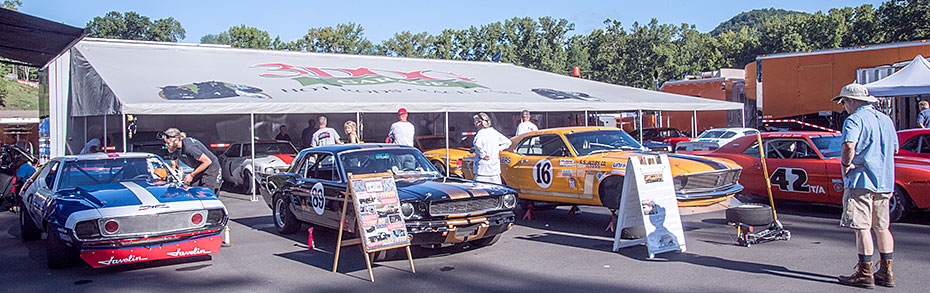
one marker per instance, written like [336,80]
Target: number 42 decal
[792,179]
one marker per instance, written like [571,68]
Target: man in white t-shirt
[324,136]
[526,125]
[401,131]
[488,143]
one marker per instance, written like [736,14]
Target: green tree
[346,38]
[905,20]
[406,44]
[133,26]
[864,27]
[11,4]
[218,39]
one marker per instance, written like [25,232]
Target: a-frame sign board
[379,223]
[648,200]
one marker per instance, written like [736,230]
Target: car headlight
[680,182]
[270,170]
[509,200]
[407,210]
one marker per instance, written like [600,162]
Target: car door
[38,200]
[544,169]
[228,159]
[796,170]
[318,198]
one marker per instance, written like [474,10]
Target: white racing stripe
[144,195]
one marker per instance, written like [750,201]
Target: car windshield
[114,170]
[269,148]
[402,162]
[717,134]
[159,150]
[591,142]
[829,146]
[439,142]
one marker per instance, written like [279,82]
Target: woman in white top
[488,143]
[526,125]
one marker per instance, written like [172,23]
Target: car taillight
[215,217]
[111,226]
[197,219]
[459,162]
[86,230]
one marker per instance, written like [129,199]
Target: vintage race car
[113,209]
[662,139]
[714,139]
[437,210]
[271,157]
[434,148]
[586,165]
[914,143]
[805,166]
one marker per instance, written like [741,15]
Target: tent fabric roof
[169,79]
[34,41]
[913,79]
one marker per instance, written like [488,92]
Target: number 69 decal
[791,179]
[542,173]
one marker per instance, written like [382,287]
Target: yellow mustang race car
[586,165]
[434,148]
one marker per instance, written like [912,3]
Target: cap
[857,92]
[402,111]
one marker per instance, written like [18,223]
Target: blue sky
[381,19]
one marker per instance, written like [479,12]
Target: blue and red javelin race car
[113,209]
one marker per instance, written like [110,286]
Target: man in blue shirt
[923,118]
[869,146]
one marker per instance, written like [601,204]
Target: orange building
[725,85]
[800,85]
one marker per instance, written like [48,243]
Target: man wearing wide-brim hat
[869,146]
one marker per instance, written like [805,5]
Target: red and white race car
[805,166]
[914,142]
[271,157]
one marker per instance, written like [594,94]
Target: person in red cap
[401,131]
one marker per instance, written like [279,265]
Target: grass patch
[18,96]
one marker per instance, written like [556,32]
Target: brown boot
[861,278]
[884,276]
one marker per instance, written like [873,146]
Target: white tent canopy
[128,77]
[913,79]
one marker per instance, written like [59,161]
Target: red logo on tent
[307,76]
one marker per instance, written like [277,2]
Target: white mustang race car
[271,157]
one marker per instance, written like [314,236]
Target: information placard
[378,209]
[648,200]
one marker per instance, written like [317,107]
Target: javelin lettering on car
[116,261]
[195,251]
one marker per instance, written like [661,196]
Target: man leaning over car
[195,154]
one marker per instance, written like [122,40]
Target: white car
[714,139]
[271,157]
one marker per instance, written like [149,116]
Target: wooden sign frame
[350,199]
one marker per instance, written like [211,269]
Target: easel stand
[648,201]
[349,199]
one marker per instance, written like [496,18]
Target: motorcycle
[16,166]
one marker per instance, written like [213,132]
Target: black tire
[385,255]
[284,220]
[610,190]
[441,167]
[246,186]
[57,254]
[899,205]
[27,228]
[752,214]
[487,241]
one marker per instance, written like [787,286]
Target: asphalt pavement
[554,252]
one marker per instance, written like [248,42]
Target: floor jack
[775,231]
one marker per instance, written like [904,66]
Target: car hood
[281,160]
[136,193]
[454,153]
[447,188]
[681,164]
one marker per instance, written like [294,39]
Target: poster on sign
[648,201]
[378,210]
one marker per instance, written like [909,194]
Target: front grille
[155,223]
[464,206]
[706,181]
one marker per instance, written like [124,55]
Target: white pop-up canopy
[913,79]
[119,77]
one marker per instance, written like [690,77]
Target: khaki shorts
[864,209]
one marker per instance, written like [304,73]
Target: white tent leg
[640,127]
[448,169]
[104,147]
[254,172]
[586,118]
[124,132]
[742,116]
[694,123]
[358,121]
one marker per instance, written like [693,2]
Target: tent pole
[585,118]
[85,129]
[640,114]
[104,147]
[254,172]
[742,116]
[448,169]
[124,132]
[358,120]
[694,123]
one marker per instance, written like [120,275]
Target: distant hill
[752,18]
[17,96]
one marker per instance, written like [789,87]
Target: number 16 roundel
[542,173]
